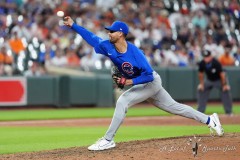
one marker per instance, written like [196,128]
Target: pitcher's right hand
[68,21]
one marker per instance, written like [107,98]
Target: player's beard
[113,40]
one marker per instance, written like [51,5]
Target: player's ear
[121,34]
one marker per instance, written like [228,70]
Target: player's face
[113,36]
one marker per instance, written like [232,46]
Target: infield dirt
[210,148]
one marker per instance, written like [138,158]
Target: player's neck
[121,46]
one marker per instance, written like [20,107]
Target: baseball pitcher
[145,83]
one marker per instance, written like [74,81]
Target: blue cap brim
[109,28]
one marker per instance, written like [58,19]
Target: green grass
[27,139]
[71,113]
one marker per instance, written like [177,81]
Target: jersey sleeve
[146,70]
[101,48]
[144,78]
[88,36]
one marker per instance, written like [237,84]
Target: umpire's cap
[118,26]
[206,53]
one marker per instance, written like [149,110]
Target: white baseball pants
[155,94]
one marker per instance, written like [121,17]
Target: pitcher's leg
[164,101]
[118,117]
[134,95]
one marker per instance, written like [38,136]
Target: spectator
[22,30]
[229,23]
[163,19]
[194,52]
[220,49]
[59,60]
[220,34]
[215,78]
[226,59]
[4,57]
[158,23]
[149,55]
[169,58]
[197,5]
[6,62]
[33,70]
[2,72]
[182,57]
[140,33]
[88,62]
[167,41]
[105,4]
[73,59]
[200,20]
[237,57]
[16,45]
[211,46]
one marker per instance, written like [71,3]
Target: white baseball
[60,13]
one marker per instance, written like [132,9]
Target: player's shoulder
[132,45]
[134,48]
[105,43]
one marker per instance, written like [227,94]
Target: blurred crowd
[170,32]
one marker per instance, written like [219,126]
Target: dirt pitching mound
[209,148]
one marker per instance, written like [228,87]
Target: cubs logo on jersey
[127,68]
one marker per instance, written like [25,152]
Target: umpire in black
[215,77]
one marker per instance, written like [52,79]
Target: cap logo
[118,26]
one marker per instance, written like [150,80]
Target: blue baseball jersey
[132,64]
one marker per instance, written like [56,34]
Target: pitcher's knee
[121,105]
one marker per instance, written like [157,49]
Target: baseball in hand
[68,21]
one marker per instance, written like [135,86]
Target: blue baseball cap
[118,26]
